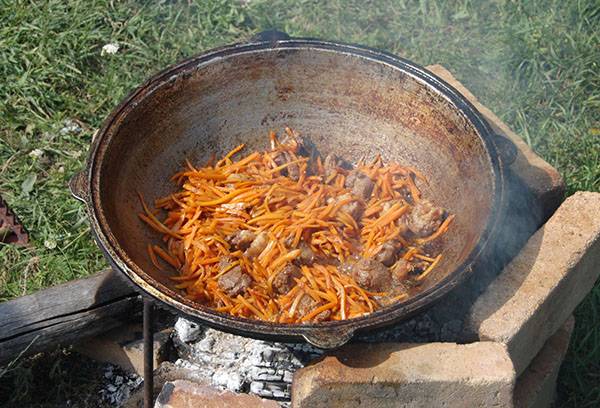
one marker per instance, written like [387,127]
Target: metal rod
[148,355]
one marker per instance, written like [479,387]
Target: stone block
[535,294]
[536,387]
[186,394]
[124,346]
[408,375]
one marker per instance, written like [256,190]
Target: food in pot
[289,237]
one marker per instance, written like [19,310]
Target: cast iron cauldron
[347,99]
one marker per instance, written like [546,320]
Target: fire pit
[498,340]
[474,342]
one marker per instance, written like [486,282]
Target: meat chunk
[370,274]
[242,239]
[400,270]
[425,218]
[295,144]
[330,164]
[360,184]
[307,304]
[293,139]
[307,256]
[387,254]
[258,245]
[284,280]
[293,170]
[234,281]
[354,208]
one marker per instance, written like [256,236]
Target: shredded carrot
[318,311]
[443,228]
[153,256]
[173,261]
[301,206]
[429,268]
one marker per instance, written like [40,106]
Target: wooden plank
[65,314]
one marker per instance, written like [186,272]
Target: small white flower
[50,243]
[110,49]
[36,153]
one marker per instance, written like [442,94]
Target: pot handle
[506,149]
[78,186]
[326,338]
[270,36]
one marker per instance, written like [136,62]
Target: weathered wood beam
[65,314]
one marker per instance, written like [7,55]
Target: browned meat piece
[425,218]
[330,164]
[370,274]
[400,270]
[385,207]
[307,256]
[350,179]
[242,239]
[292,138]
[292,171]
[362,185]
[387,254]
[307,304]
[234,281]
[258,245]
[354,208]
[284,280]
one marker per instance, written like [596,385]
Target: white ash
[187,331]
[264,368]
[240,364]
[118,386]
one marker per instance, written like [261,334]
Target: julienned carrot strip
[295,303]
[153,256]
[283,166]
[158,226]
[318,311]
[174,262]
[443,228]
[250,306]
[285,258]
[429,268]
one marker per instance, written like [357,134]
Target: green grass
[535,63]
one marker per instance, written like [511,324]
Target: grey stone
[540,288]
[408,375]
[186,394]
[536,387]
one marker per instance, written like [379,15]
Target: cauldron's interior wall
[348,105]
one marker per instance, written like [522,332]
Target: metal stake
[148,355]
